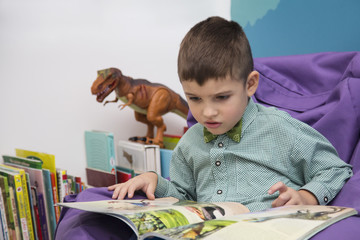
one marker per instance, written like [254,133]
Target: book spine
[66,186]
[23,162]
[49,203]
[157,160]
[36,212]
[3,216]
[111,154]
[42,216]
[60,182]
[55,198]
[8,211]
[29,215]
[14,213]
[21,207]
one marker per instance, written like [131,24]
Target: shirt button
[326,199]
[220,144]
[217,163]
[219,191]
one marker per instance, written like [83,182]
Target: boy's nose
[209,111]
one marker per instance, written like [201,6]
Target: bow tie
[234,133]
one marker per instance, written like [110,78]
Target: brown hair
[215,48]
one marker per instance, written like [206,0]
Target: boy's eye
[194,99]
[222,97]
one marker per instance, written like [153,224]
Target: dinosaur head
[105,83]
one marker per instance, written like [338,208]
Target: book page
[152,215]
[293,222]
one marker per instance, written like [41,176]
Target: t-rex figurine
[149,100]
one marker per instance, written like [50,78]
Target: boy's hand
[146,182]
[289,196]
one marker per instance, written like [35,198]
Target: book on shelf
[7,206]
[139,157]
[25,192]
[62,183]
[165,157]
[41,188]
[4,234]
[17,180]
[36,219]
[124,174]
[100,150]
[170,141]
[99,178]
[169,218]
[15,213]
[48,162]
[49,202]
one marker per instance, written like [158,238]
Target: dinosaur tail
[181,107]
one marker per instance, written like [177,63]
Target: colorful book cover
[78,184]
[16,183]
[55,199]
[15,212]
[48,160]
[25,196]
[137,156]
[49,203]
[99,178]
[31,206]
[35,204]
[127,170]
[71,183]
[8,209]
[43,218]
[165,156]
[122,176]
[20,161]
[36,180]
[4,221]
[100,152]
[170,141]
[62,183]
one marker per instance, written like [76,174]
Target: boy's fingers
[123,192]
[282,200]
[150,192]
[116,192]
[131,190]
[279,186]
[112,187]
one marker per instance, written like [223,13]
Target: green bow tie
[234,133]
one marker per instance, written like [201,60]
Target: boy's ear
[252,83]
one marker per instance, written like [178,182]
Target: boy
[239,151]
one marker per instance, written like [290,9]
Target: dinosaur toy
[149,100]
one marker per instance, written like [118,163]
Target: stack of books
[30,187]
[108,165]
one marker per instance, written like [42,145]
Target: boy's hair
[215,48]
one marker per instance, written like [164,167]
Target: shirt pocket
[254,180]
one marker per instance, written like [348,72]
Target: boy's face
[219,103]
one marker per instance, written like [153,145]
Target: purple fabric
[319,89]
[80,225]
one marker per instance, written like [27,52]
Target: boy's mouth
[212,124]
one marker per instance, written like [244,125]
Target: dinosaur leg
[150,129]
[158,106]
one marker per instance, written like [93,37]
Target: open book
[169,218]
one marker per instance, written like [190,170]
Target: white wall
[50,52]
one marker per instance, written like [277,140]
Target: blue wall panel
[288,27]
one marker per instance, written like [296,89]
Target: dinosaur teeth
[103,93]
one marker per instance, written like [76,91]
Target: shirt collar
[234,133]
